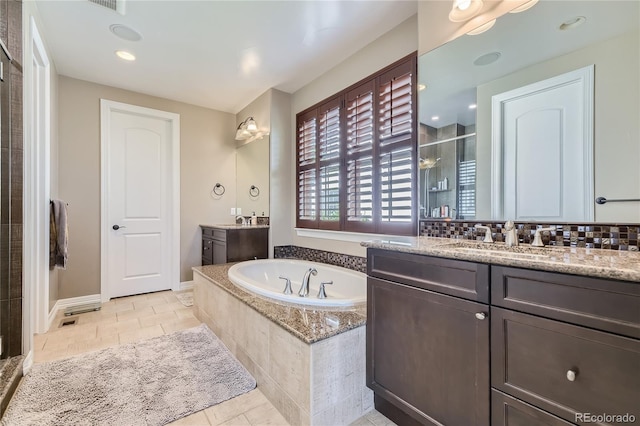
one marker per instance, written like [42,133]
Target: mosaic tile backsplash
[593,235]
[355,263]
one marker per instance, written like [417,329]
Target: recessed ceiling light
[487,59]
[528,5]
[483,28]
[572,23]
[473,106]
[435,118]
[127,56]
[421,87]
[125,32]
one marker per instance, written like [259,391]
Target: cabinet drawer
[532,359]
[509,411]
[597,303]
[216,234]
[453,277]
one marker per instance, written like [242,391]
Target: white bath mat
[185,297]
[152,382]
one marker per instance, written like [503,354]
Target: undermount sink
[523,251]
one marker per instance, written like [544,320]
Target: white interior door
[544,145]
[138,209]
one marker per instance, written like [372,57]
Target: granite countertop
[309,324]
[234,226]
[598,263]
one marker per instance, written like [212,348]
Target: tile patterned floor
[134,318]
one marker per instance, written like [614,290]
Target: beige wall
[207,156]
[383,51]
[282,186]
[617,124]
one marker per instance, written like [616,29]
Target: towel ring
[254,191]
[218,189]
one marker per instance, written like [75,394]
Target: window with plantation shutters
[397,149]
[357,154]
[359,158]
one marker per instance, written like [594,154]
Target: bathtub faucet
[304,289]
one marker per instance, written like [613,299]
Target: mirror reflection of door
[543,150]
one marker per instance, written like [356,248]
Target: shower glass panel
[447,171]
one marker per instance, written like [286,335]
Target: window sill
[353,237]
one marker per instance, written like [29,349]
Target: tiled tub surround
[355,263]
[313,373]
[597,263]
[590,235]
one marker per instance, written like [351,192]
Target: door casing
[106,108]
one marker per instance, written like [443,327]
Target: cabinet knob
[571,375]
[481,315]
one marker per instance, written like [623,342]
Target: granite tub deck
[597,263]
[312,372]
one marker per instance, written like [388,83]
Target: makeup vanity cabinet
[224,245]
[558,345]
[428,338]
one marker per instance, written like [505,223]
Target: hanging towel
[59,235]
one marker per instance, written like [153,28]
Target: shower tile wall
[11,180]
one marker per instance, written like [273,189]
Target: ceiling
[523,39]
[217,54]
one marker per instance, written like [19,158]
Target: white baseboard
[186,285]
[27,363]
[63,304]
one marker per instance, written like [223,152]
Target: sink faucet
[511,237]
[537,237]
[487,233]
[244,221]
[304,288]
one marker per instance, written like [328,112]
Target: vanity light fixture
[421,87]
[248,131]
[473,106]
[482,28]
[463,10]
[127,56]
[528,5]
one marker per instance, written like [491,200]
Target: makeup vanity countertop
[234,226]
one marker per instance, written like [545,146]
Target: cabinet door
[207,251]
[428,354]
[219,252]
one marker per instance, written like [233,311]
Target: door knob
[116,227]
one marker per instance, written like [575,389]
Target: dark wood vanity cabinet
[565,344]
[557,345]
[234,245]
[427,352]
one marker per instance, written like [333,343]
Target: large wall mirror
[252,177]
[535,118]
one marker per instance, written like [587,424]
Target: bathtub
[261,277]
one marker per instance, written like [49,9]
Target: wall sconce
[248,131]
[463,10]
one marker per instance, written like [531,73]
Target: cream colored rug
[152,382]
[185,297]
